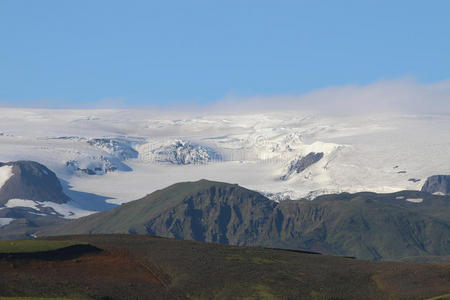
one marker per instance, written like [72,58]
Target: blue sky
[77,53]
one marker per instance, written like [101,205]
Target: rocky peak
[32,181]
[437,184]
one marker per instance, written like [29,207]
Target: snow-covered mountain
[96,165]
[29,180]
[29,190]
[121,148]
[178,152]
[437,184]
[106,155]
[286,155]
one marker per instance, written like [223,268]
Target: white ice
[5,174]
[5,221]
[376,153]
[415,200]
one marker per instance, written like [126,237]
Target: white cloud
[401,95]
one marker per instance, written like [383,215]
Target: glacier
[126,154]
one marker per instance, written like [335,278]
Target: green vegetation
[365,225]
[28,246]
[443,297]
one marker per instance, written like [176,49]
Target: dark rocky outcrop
[31,181]
[301,164]
[65,253]
[414,180]
[437,184]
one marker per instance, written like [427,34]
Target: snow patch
[22,203]
[5,221]
[414,200]
[38,214]
[5,174]
[66,210]
[280,196]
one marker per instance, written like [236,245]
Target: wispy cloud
[401,95]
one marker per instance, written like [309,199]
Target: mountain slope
[32,181]
[366,225]
[437,184]
[32,198]
[203,210]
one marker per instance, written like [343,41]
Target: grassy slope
[133,217]
[133,266]
[369,225]
[366,225]
[28,246]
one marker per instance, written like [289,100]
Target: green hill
[365,225]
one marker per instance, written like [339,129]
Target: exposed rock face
[366,225]
[301,164]
[181,152]
[214,212]
[32,181]
[120,149]
[437,184]
[97,165]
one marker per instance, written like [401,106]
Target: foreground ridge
[143,267]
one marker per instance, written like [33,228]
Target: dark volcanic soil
[75,272]
[146,267]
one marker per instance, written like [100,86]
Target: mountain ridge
[365,225]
